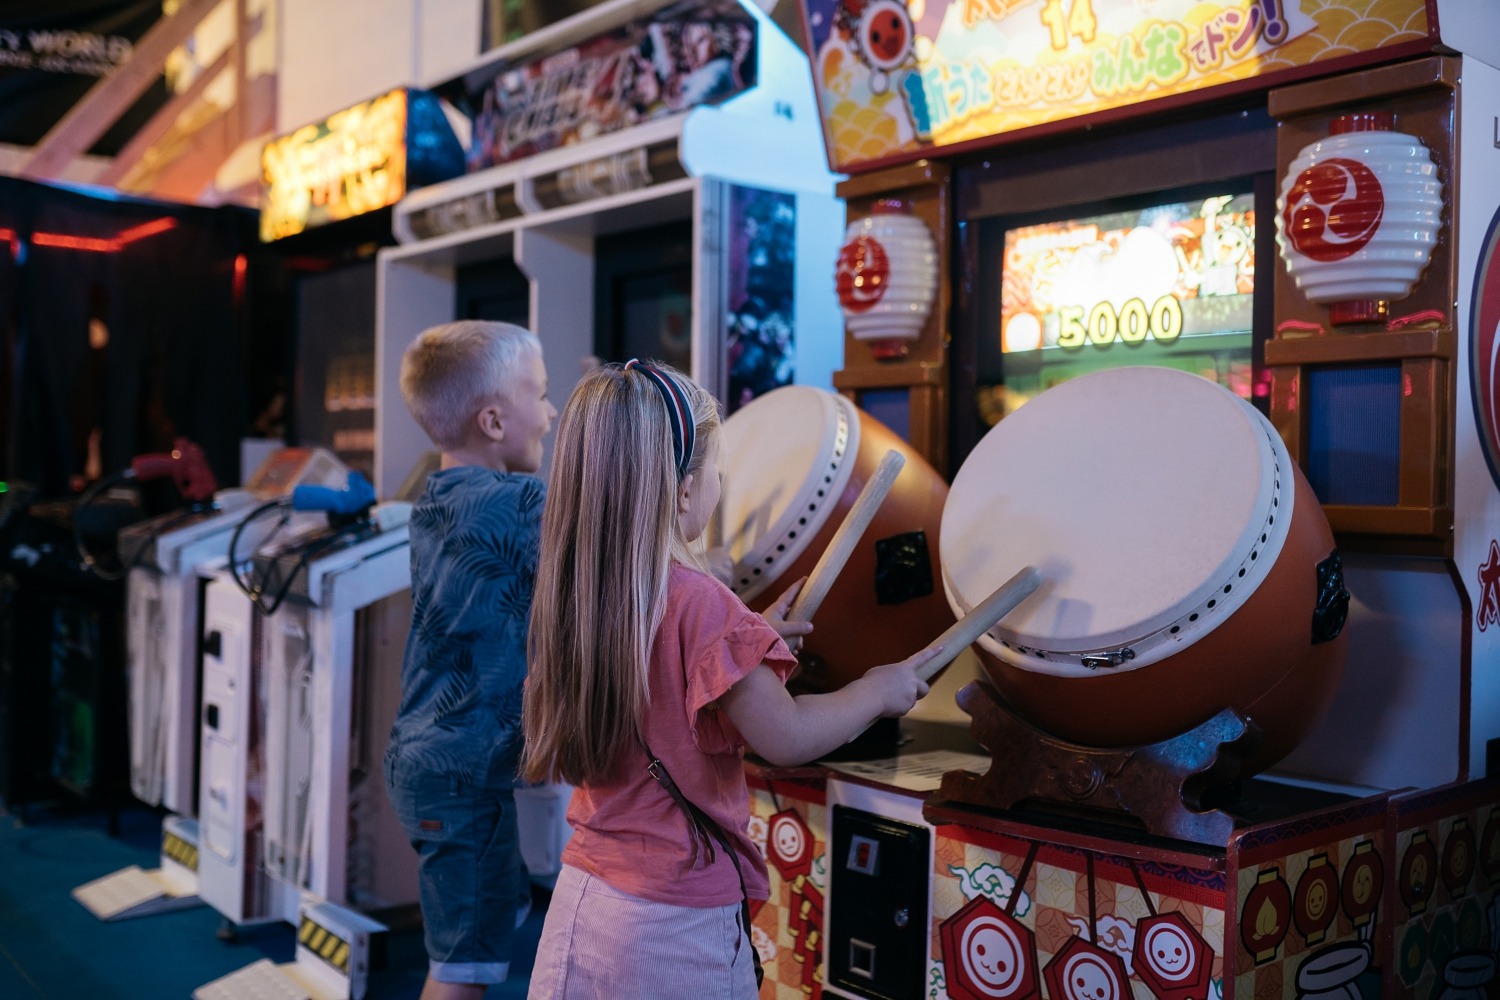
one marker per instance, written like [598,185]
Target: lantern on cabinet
[886,278]
[1316,900]
[1358,216]
[1265,916]
[1364,876]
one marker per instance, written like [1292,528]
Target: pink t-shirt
[628,831]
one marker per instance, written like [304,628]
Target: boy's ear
[491,422]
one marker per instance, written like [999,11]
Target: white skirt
[602,944]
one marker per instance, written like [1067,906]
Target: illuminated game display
[1170,284]
[1094,212]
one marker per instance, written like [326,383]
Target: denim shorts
[473,884]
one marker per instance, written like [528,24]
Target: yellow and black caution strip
[324,943]
[181,851]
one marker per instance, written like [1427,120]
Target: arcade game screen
[1165,281]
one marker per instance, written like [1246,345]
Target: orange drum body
[795,462]
[1187,565]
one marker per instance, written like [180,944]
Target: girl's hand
[791,730]
[898,686]
[775,617]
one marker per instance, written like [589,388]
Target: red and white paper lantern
[887,278]
[1358,216]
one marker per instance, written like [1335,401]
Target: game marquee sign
[898,78]
[363,158]
[686,54]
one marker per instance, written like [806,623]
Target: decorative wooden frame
[926,186]
[1423,339]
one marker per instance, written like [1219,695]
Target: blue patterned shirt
[474,535]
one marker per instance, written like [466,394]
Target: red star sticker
[1489,589]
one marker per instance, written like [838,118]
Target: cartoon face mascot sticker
[1172,957]
[881,33]
[1082,971]
[789,844]
[988,954]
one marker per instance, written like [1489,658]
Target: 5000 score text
[1132,323]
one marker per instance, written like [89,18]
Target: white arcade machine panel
[164,600]
[230,877]
[330,666]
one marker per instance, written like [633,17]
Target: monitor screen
[1166,281]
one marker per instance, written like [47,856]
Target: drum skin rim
[1211,601]
[1262,660]
[853,630]
[775,550]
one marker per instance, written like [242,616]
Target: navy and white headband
[679,412]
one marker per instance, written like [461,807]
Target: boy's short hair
[451,371]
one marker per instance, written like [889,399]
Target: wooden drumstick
[820,580]
[981,619]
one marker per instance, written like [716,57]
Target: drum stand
[1181,788]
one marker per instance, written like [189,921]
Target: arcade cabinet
[1295,203]
[302,657]
[65,651]
[650,173]
[168,560]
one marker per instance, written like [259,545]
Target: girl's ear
[684,494]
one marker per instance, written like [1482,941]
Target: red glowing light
[241,266]
[146,229]
[102,245]
[74,242]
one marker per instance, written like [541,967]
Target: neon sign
[349,164]
[897,78]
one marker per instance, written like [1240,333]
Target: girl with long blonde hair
[647,680]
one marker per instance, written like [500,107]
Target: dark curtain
[121,339]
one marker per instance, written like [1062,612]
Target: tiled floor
[51,948]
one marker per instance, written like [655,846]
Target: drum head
[789,455]
[1153,501]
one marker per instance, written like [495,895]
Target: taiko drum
[1187,566]
[795,461]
